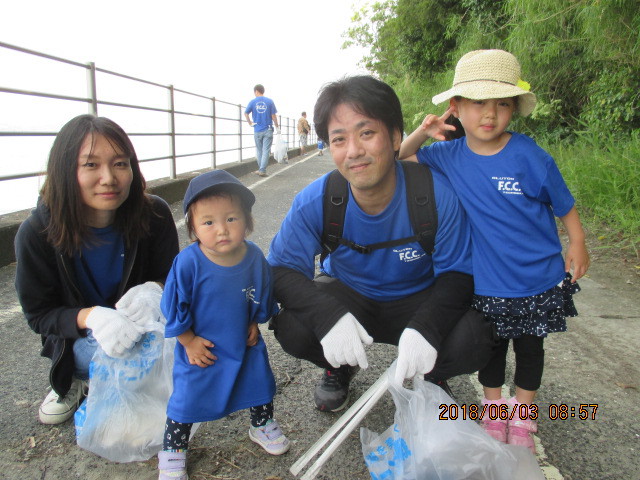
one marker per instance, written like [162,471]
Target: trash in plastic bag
[124,414]
[280,149]
[420,445]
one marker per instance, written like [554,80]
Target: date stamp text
[560,411]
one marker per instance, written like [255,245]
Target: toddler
[218,290]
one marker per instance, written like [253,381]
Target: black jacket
[48,290]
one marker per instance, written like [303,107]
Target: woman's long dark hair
[68,228]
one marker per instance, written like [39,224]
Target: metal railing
[191,117]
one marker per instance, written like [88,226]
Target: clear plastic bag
[123,417]
[279,148]
[419,445]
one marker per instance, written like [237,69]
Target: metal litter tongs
[345,425]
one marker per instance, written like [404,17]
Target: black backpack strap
[335,198]
[421,203]
[421,207]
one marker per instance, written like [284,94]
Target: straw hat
[484,74]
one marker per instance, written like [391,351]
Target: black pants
[529,353]
[466,349]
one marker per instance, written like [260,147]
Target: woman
[93,235]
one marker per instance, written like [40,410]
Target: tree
[582,57]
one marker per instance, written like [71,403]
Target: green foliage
[585,60]
[581,57]
[364,33]
[603,173]
[613,100]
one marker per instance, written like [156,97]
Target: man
[303,130]
[400,295]
[263,115]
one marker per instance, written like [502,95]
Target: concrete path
[595,363]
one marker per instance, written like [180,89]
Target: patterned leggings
[176,434]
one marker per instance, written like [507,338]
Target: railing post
[172,113]
[289,132]
[213,132]
[240,130]
[91,87]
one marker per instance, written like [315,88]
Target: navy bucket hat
[216,181]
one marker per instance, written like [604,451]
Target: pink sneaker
[495,428]
[520,431]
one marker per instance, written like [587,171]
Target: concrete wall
[171,190]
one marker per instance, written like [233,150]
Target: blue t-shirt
[99,267]
[261,109]
[511,199]
[385,274]
[218,303]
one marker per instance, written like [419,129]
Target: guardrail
[203,132]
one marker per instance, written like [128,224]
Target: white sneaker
[56,409]
[172,466]
[270,437]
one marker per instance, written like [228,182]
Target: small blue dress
[218,303]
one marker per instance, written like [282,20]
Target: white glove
[343,343]
[141,304]
[278,130]
[113,331]
[415,355]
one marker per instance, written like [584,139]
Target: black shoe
[332,391]
[442,384]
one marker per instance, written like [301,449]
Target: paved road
[595,363]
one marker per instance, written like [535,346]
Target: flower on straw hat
[485,74]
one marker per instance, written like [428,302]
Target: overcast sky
[215,48]
[211,47]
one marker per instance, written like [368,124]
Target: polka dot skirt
[536,315]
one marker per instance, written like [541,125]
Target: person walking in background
[511,189]
[217,292]
[94,235]
[263,118]
[303,130]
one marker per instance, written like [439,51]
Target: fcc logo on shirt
[507,185]
[408,254]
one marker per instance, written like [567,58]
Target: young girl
[218,290]
[511,189]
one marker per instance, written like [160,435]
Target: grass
[603,174]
